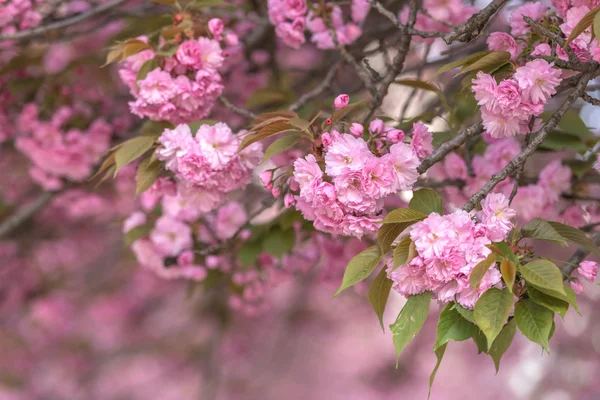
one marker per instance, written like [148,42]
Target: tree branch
[238,110]
[64,23]
[24,213]
[448,146]
[317,90]
[474,25]
[578,256]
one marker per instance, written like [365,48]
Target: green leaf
[572,124]
[194,126]
[540,229]
[147,173]
[402,253]
[340,113]
[465,312]
[508,269]
[410,320]
[481,342]
[502,342]
[596,26]
[452,326]
[134,234]
[248,253]
[480,270]
[360,267]
[492,310]
[379,292]
[426,201]
[439,354]
[281,144]
[278,242]
[560,141]
[393,225]
[579,167]
[132,150]
[465,61]
[492,61]
[550,302]
[155,128]
[568,295]
[576,236]
[146,68]
[583,24]
[507,252]
[534,321]
[543,274]
[300,123]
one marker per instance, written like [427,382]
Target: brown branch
[398,62]
[590,99]
[64,23]
[24,213]
[238,110]
[317,90]
[474,25]
[448,146]
[578,256]
[515,163]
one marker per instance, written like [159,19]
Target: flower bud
[341,101]
[357,129]
[376,126]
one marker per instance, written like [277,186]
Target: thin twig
[578,256]
[317,90]
[24,213]
[474,25]
[398,62]
[448,146]
[238,110]
[64,23]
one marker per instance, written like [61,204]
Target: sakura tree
[444,152]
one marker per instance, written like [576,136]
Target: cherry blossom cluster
[58,150]
[449,247]
[507,108]
[347,197]
[182,88]
[585,46]
[207,164]
[540,199]
[292,17]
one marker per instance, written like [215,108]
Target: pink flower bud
[357,129]
[212,262]
[231,39]
[289,200]
[576,286]
[376,126]
[245,234]
[588,270]
[326,139]
[215,26]
[328,121]
[341,101]
[394,135]
[276,192]
[266,177]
